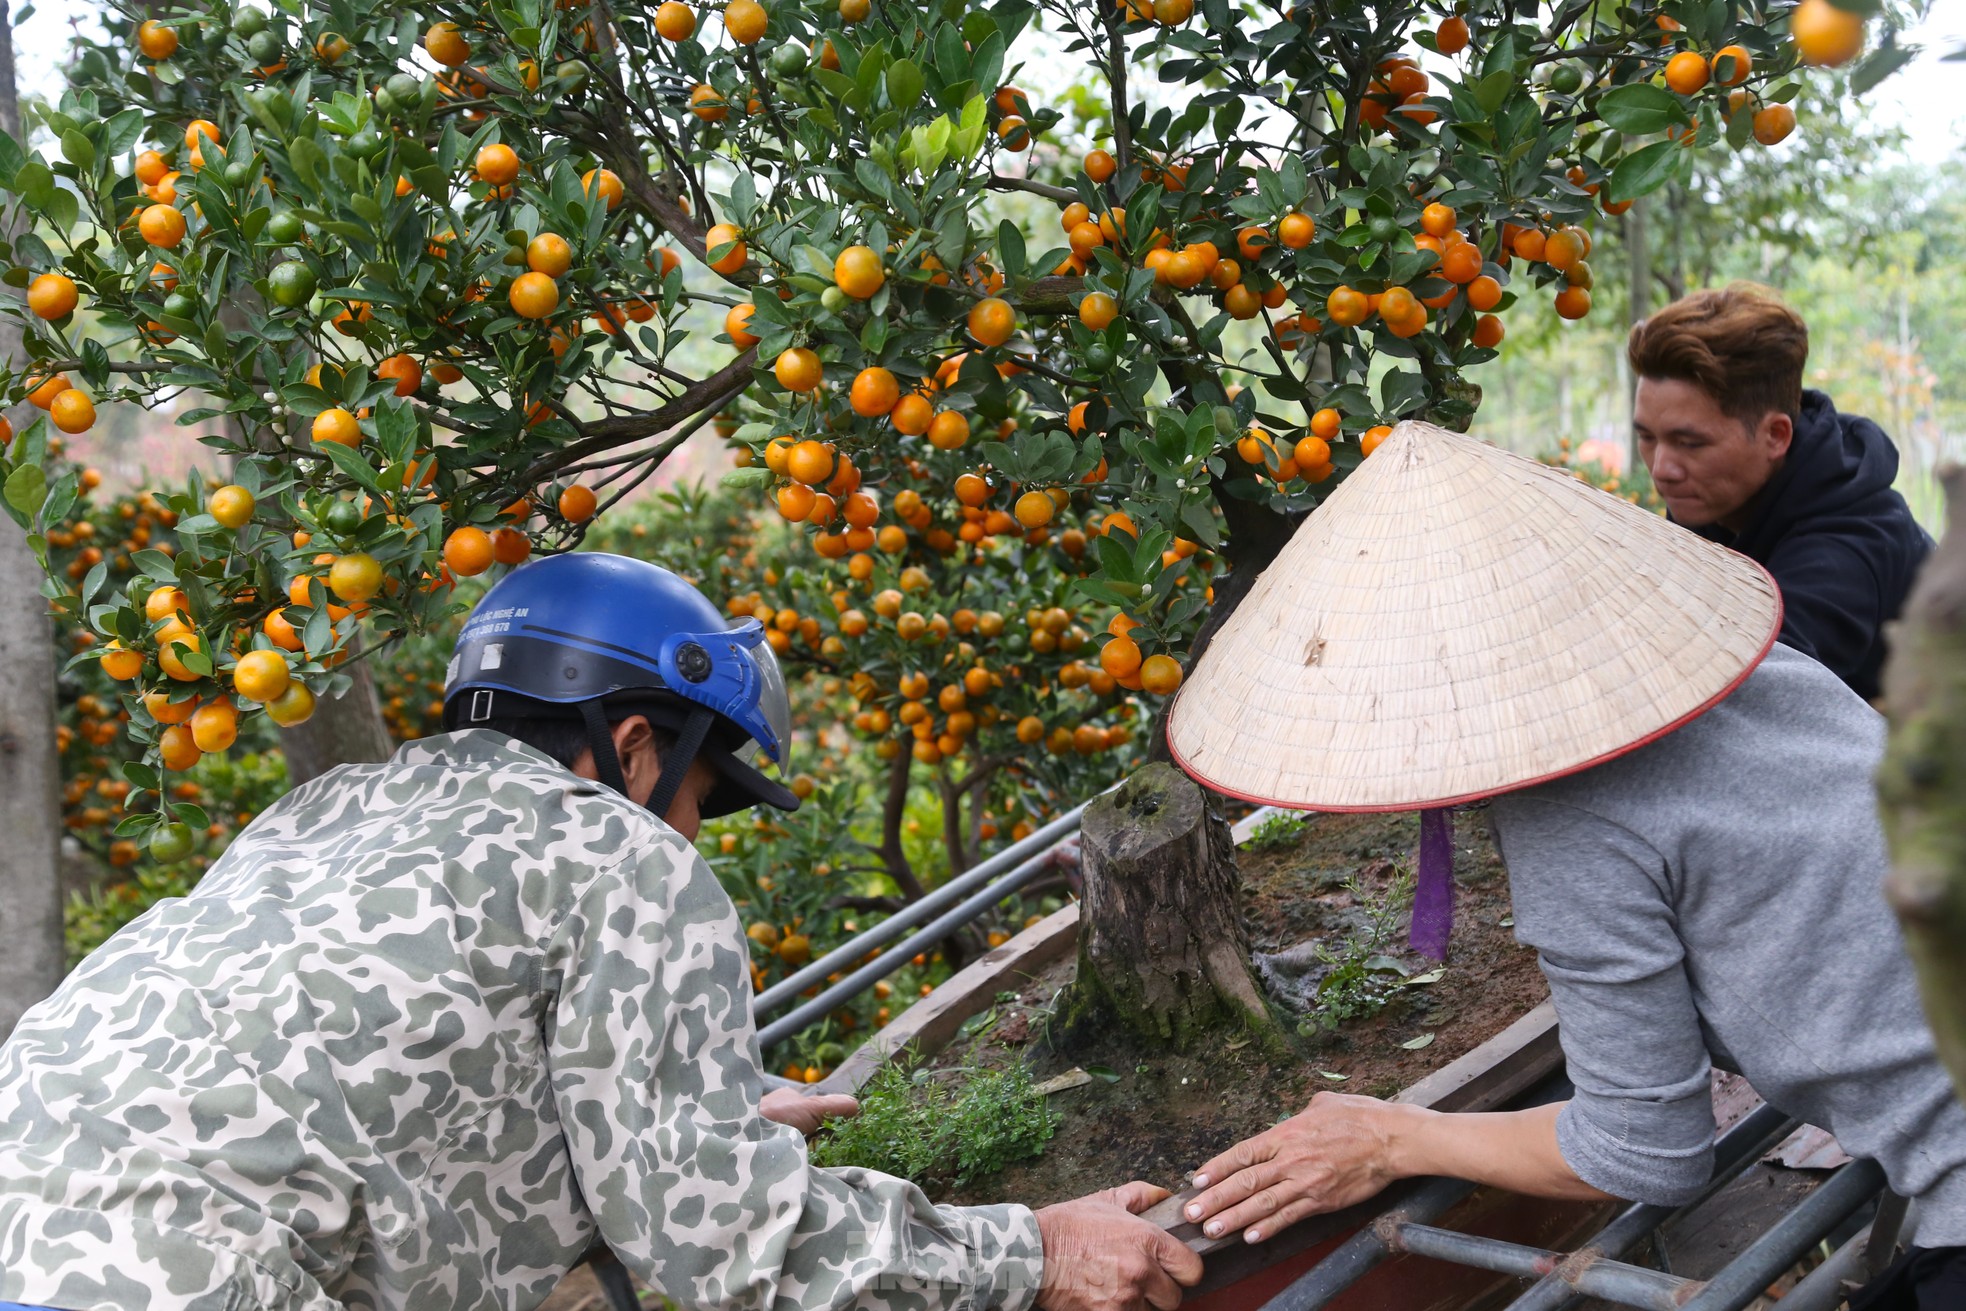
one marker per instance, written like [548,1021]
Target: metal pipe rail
[1013,857]
[1757,1133]
[1793,1235]
[1737,1149]
[1612,1281]
[1858,1261]
[1355,1258]
[1421,1200]
[895,957]
[1744,1279]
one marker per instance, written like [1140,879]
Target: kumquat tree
[450,280]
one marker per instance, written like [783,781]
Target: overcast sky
[1923,97]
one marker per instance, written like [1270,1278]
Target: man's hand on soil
[806,1111]
[1100,1256]
[1337,1151]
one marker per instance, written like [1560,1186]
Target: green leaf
[1640,109]
[873,335]
[1010,249]
[351,464]
[26,488]
[1493,89]
[308,159]
[1401,393]
[1103,1072]
[61,498]
[975,126]
[62,209]
[1415,1044]
[78,150]
[1333,1075]
[1645,170]
[318,635]
[35,183]
[905,84]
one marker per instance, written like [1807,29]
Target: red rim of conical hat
[1457,621]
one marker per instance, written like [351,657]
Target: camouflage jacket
[425,1033]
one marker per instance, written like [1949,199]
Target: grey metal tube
[1885,1228]
[1738,1148]
[1354,1258]
[895,957]
[786,989]
[1794,1234]
[1822,1288]
[1612,1281]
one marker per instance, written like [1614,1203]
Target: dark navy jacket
[1842,545]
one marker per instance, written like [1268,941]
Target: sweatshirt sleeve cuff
[1006,1255]
[1625,1161]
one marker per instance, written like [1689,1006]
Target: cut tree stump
[1162,951]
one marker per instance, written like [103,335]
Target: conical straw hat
[1455,621]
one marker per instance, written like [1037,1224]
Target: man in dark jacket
[1747,458]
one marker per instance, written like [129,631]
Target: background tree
[447,301]
[30,896]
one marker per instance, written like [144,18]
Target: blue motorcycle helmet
[580,635]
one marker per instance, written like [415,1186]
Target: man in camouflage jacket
[426,1033]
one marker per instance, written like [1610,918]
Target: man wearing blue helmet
[432,1030]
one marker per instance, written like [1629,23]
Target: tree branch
[894,810]
[1116,80]
[1063,195]
[709,394]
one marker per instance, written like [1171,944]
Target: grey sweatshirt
[1716,897]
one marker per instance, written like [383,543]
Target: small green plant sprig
[919,1127]
[1279,830]
[1361,976]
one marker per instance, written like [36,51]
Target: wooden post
[1921,785]
[1162,953]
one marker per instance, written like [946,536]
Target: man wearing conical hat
[1685,810]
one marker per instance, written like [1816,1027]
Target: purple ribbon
[1433,890]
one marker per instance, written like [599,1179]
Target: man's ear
[1777,433]
[641,764]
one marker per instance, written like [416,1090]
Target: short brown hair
[1741,346]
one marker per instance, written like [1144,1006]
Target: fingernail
[1201,1181]
[1194,1210]
[1215,1230]
[1253,1236]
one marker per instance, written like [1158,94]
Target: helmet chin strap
[675,762]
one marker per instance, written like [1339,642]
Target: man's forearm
[1516,1150]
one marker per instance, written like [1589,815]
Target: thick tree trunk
[348,731]
[30,769]
[1162,953]
[30,788]
[1922,783]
